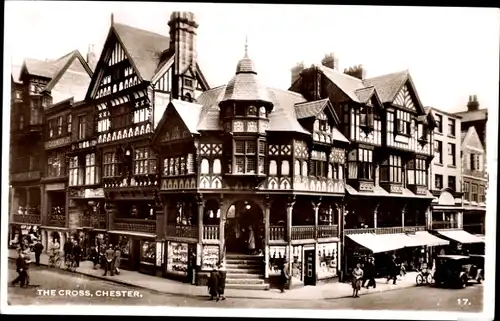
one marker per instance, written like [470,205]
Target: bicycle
[424,277]
[54,261]
[70,263]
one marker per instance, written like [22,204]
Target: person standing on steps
[38,248]
[357,277]
[251,240]
[213,284]
[222,280]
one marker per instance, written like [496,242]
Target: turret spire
[246,46]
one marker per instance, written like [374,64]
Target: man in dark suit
[77,252]
[20,269]
[109,257]
[38,248]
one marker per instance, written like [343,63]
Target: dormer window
[366,118]
[423,131]
[262,112]
[252,111]
[245,156]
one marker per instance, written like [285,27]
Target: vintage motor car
[454,270]
[478,262]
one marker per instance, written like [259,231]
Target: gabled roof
[187,111]
[310,108]
[338,136]
[282,118]
[469,135]
[364,94]
[388,85]
[145,48]
[475,115]
[65,66]
[346,83]
[16,73]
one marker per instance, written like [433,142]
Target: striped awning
[424,238]
[378,243]
[460,236]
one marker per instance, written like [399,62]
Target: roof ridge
[286,91]
[137,28]
[312,101]
[340,73]
[406,71]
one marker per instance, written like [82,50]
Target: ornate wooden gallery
[389,155]
[138,73]
[251,164]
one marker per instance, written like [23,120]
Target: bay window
[110,165]
[91,170]
[145,161]
[245,157]
[391,170]
[366,117]
[421,172]
[318,164]
[423,131]
[360,164]
[55,162]
[75,172]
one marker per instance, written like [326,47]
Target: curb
[109,279]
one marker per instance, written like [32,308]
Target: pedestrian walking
[118,255]
[222,280]
[283,275]
[38,249]
[20,269]
[27,259]
[393,270]
[213,284]
[68,249]
[357,277]
[109,257]
[369,273]
[77,252]
[251,240]
[94,257]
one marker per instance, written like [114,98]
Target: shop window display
[148,252]
[276,256]
[177,258]
[297,262]
[210,257]
[327,260]
[124,244]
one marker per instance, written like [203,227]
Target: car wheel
[464,282]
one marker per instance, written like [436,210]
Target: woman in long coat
[357,277]
[213,284]
[251,240]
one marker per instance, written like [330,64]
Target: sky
[451,53]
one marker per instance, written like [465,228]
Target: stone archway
[243,219]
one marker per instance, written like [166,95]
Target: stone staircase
[245,272]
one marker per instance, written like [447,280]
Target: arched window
[273,168]
[204,166]
[217,166]
[304,168]
[297,168]
[330,170]
[285,168]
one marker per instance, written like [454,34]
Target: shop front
[55,227]
[181,262]
[139,252]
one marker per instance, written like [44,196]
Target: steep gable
[179,121]
[472,140]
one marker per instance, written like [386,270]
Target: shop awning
[460,236]
[422,238]
[378,243]
[130,233]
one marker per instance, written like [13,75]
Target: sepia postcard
[249,160]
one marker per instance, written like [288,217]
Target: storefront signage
[159,253]
[94,193]
[210,257]
[54,187]
[177,258]
[57,142]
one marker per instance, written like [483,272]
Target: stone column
[403,216]
[316,206]
[460,220]
[44,206]
[267,226]
[201,210]
[375,213]
[222,222]
[289,211]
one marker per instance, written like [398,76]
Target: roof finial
[112,18]
[246,46]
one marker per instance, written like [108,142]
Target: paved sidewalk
[324,291]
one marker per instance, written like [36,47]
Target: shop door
[135,256]
[309,268]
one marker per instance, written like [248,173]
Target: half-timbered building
[252,164]
[387,196]
[136,76]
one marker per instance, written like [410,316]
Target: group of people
[108,257]
[217,282]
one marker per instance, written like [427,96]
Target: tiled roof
[475,115]
[364,94]
[310,108]
[144,47]
[282,118]
[41,68]
[189,112]
[16,73]
[338,136]
[388,85]
[346,83]
[246,85]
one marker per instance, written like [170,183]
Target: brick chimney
[296,71]
[473,104]
[183,41]
[91,58]
[330,61]
[356,72]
